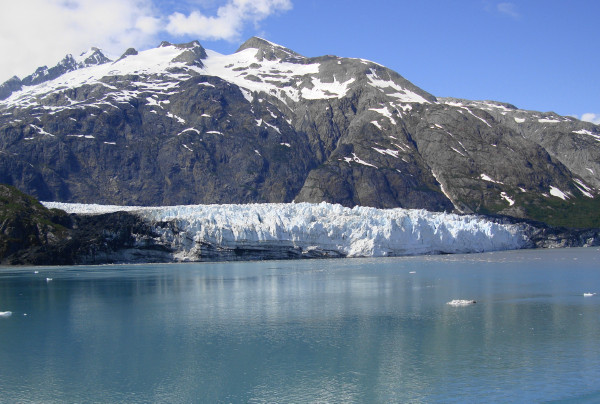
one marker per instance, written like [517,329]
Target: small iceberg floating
[5,313]
[48,279]
[589,294]
[458,302]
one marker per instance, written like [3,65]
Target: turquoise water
[353,330]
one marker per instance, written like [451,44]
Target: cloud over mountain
[54,27]
[229,20]
[591,117]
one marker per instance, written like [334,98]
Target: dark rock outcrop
[33,234]
[10,86]
[25,224]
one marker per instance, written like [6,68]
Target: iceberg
[294,230]
[460,302]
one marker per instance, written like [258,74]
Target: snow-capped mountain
[179,124]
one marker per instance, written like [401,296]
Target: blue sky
[539,55]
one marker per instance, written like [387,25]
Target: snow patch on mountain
[389,152]
[507,198]
[595,136]
[321,89]
[458,151]
[356,232]
[583,188]
[385,111]
[356,159]
[276,77]
[558,193]
[393,89]
[487,178]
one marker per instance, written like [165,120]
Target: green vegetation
[578,212]
[24,222]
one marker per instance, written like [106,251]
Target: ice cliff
[198,232]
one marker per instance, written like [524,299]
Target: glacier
[295,230]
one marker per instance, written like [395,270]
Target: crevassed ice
[356,232]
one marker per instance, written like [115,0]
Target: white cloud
[509,9]
[229,20]
[41,32]
[591,117]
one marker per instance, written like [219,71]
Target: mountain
[179,124]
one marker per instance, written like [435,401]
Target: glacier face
[314,230]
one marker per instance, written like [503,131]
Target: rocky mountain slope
[179,124]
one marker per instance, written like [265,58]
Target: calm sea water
[355,330]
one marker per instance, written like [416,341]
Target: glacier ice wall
[316,229]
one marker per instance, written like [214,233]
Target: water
[356,330]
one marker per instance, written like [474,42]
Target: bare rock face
[179,125]
[10,86]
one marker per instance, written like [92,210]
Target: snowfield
[332,230]
[289,79]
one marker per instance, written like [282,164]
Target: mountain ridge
[180,124]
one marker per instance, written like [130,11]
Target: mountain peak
[267,50]
[189,45]
[10,86]
[128,52]
[192,54]
[93,56]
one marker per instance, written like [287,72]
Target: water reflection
[325,331]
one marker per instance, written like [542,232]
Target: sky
[537,55]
